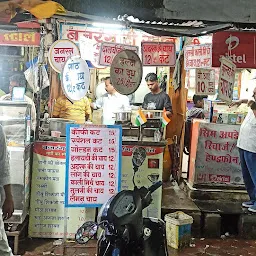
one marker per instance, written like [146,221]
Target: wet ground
[207,247]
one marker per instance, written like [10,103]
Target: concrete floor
[207,247]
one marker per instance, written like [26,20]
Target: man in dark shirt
[156,99]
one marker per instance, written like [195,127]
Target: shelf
[11,56]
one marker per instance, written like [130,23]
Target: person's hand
[235,103]
[8,208]
[251,103]
[254,112]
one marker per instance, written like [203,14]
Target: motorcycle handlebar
[155,186]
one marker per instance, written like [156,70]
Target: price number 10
[201,87]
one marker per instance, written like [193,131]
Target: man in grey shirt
[156,99]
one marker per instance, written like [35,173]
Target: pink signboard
[158,54]
[93,169]
[109,50]
[217,158]
[198,56]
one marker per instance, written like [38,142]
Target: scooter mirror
[86,232]
[138,157]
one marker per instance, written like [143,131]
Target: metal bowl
[123,116]
[59,124]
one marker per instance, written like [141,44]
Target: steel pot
[59,124]
[123,116]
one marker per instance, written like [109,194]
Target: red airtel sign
[240,45]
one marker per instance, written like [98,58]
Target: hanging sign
[75,78]
[226,79]
[126,72]
[93,170]
[158,54]
[20,39]
[240,46]
[205,82]
[109,50]
[60,51]
[198,56]
[89,51]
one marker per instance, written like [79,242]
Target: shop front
[16,49]
[214,161]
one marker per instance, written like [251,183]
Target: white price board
[198,56]
[93,170]
[109,50]
[205,82]
[47,211]
[60,51]
[75,78]
[226,79]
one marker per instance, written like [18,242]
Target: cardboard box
[222,118]
[232,118]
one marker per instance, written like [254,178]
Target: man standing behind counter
[19,80]
[111,102]
[79,111]
[156,99]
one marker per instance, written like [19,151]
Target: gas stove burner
[123,123]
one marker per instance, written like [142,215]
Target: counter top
[145,142]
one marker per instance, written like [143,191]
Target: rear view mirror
[86,232]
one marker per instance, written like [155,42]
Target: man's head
[199,100]
[17,80]
[152,82]
[108,86]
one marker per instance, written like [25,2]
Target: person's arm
[8,205]
[238,103]
[126,102]
[168,105]
[33,116]
[57,108]
[98,103]
[87,110]
[145,103]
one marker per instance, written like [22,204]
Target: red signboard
[241,46]
[20,39]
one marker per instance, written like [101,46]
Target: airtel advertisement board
[240,46]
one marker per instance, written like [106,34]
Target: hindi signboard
[226,79]
[240,46]
[20,39]
[109,50]
[97,35]
[60,51]
[217,158]
[47,216]
[93,167]
[205,82]
[150,172]
[75,78]
[158,54]
[198,56]
[126,72]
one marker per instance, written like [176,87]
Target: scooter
[124,231]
